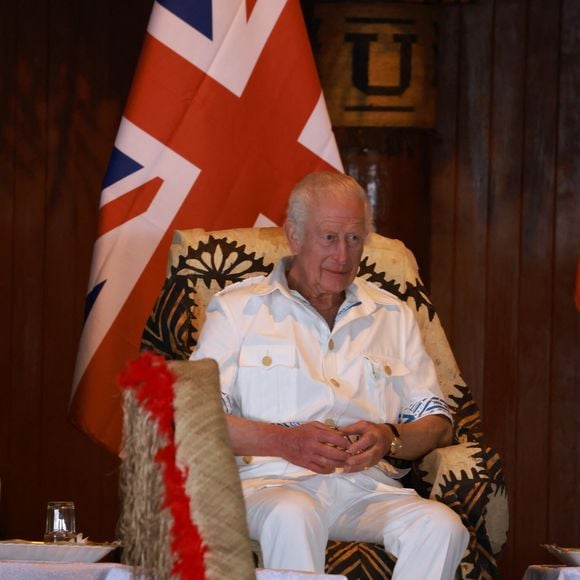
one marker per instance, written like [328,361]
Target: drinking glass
[60,521]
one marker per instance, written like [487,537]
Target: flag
[224,116]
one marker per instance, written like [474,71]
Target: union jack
[225,115]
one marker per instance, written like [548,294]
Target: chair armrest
[460,458]
[460,477]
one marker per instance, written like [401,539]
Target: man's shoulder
[240,292]
[379,296]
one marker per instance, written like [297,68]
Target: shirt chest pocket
[385,376]
[268,382]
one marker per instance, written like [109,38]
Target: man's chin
[336,283]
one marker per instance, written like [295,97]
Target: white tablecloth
[10,570]
[545,572]
[290,575]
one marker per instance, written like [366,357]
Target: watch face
[396,445]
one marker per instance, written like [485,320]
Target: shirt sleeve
[422,393]
[220,340]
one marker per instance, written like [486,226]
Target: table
[13,570]
[548,572]
[291,575]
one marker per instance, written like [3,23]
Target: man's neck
[325,303]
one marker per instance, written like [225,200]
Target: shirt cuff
[424,407]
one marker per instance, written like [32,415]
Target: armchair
[467,476]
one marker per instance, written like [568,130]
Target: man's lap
[351,507]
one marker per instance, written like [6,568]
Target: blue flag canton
[197,14]
[92,298]
[120,165]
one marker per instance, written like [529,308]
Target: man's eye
[329,237]
[353,239]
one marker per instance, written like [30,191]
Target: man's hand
[419,437]
[315,446]
[323,449]
[372,445]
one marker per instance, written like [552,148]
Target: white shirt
[281,363]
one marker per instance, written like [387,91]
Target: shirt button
[334,383]
[330,423]
[267,361]
[331,344]
[388,370]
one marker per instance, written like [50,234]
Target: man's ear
[293,238]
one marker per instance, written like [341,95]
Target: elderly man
[324,376]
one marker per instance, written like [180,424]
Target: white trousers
[293,521]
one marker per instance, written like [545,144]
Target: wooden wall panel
[472,185]
[7,171]
[564,447]
[502,262]
[536,288]
[513,249]
[72,181]
[67,68]
[444,171]
[27,321]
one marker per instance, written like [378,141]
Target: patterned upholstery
[467,476]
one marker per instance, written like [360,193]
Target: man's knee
[444,523]
[294,508]
[290,528]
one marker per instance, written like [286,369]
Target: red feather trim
[152,381]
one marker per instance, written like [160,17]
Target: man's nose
[341,252]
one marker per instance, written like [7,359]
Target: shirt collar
[355,294]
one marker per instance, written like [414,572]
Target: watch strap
[396,445]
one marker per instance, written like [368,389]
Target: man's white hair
[327,184]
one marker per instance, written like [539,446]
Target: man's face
[327,259]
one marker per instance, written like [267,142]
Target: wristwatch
[396,443]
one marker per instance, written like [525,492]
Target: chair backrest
[202,263]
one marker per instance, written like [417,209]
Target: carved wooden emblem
[377,63]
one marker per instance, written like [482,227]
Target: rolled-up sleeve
[423,395]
